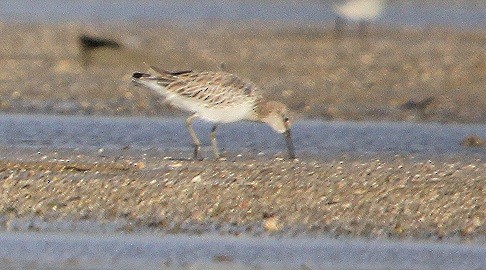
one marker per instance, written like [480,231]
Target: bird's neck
[260,111]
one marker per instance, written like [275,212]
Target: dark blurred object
[473,141]
[90,43]
[422,109]
[418,105]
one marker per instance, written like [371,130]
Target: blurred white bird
[362,11]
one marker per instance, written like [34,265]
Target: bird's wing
[212,88]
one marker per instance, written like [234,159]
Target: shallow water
[210,10]
[319,139]
[78,251]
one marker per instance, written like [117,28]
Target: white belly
[223,114]
[226,114]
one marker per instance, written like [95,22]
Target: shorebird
[362,11]
[90,43]
[218,97]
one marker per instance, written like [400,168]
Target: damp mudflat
[395,74]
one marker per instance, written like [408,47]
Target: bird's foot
[195,155]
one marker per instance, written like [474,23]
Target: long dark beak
[290,144]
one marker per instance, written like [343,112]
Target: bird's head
[277,116]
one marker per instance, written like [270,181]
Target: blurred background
[333,60]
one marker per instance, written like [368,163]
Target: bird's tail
[161,77]
[169,73]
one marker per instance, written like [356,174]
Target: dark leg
[85,57]
[214,143]
[197,143]
[363,28]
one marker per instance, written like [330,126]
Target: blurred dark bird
[90,43]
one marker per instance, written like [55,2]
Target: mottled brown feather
[211,88]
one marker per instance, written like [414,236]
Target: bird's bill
[290,144]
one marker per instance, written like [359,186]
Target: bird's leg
[214,143]
[363,28]
[84,56]
[197,143]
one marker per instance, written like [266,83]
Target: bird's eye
[286,119]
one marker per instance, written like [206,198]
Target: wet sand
[398,198]
[396,73]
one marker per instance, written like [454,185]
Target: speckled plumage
[213,89]
[214,96]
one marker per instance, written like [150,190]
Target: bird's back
[215,96]
[212,89]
